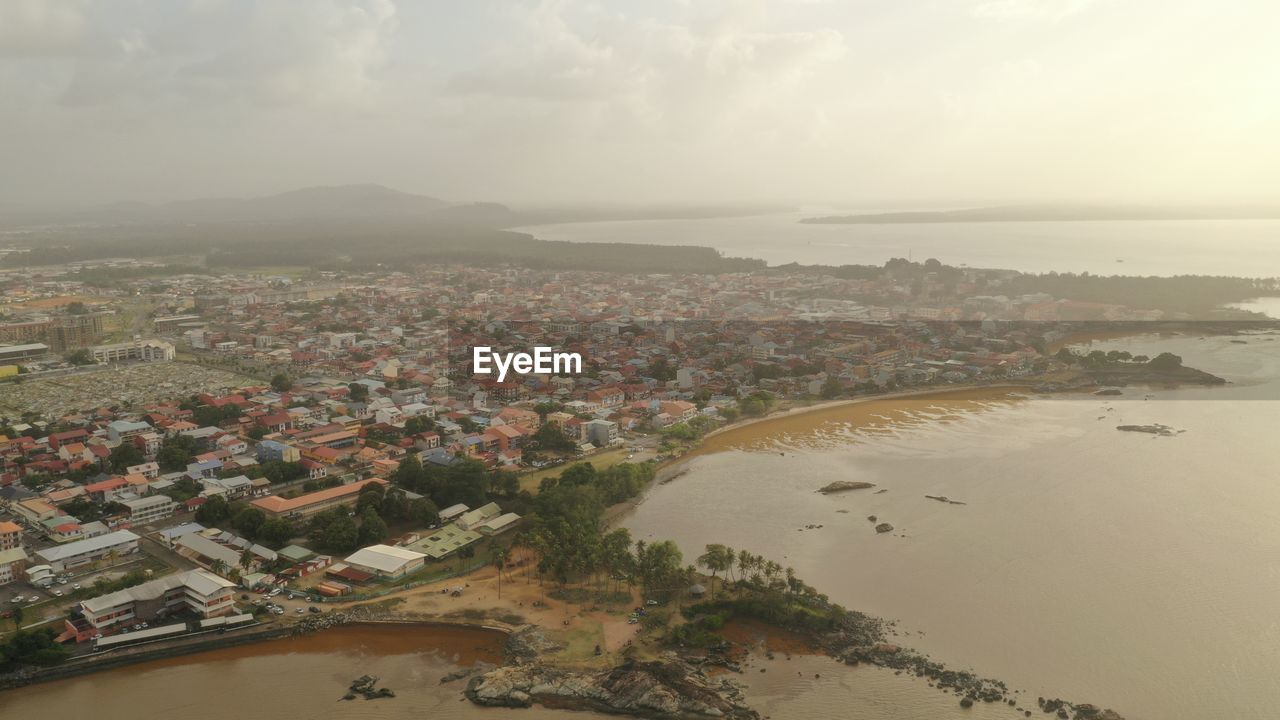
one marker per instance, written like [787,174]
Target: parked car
[16,599]
[76,586]
[313,609]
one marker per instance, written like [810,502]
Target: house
[10,535]
[13,562]
[107,489]
[232,488]
[386,561]
[150,470]
[122,430]
[679,410]
[609,397]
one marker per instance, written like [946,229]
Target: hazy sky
[858,101]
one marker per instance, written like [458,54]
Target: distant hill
[343,201]
[1053,213]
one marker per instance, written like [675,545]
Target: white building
[82,552]
[386,561]
[197,591]
[150,508]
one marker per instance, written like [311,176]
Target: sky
[873,103]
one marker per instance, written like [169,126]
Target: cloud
[309,52]
[675,73]
[32,28]
[1051,10]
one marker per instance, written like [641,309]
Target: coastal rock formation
[844,485]
[661,689]
[884,528]
[1154,429]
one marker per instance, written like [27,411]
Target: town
[174,440]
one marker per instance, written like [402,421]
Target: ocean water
[1133,571]
[1244,248]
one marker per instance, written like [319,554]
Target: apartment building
[149,509]
[196,591]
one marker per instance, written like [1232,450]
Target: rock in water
[662,688]
[844,485]
[884,528]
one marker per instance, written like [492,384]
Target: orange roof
[7,527]
[277,504]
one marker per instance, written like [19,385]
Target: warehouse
[386,561]
[83,552]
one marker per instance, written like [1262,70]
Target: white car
[57,593]
[16,599]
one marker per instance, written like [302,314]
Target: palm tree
[498,557]
[717,558]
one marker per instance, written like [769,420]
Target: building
[268,450]
[149,509]
[601,433]
[305,506]
[122,430]
[12,564]
[82,552]
[74,331]
[144,350]
[208,553]
[386,561]
[473,518]
[445,541]
[196,591]
[498,525]
[10,535]
[29,351]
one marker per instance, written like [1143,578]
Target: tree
[498,558]
[358,391]
[276,532]
[214,511]
[373,529]
[79,357]
[281,382]
[249,522]
[717,558]
[424,513]
[175,453]
[342,535]
[246,559]
[123,456]
[1165,361]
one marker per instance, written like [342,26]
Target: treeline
[334,245]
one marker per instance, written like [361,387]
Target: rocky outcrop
[844,486]
[884,528]
[1154,429]
[660,689]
